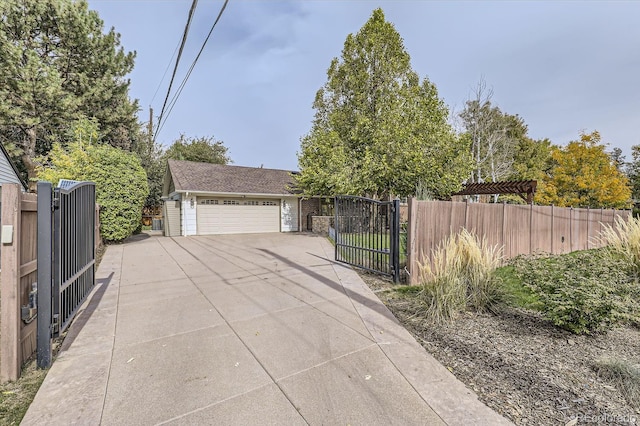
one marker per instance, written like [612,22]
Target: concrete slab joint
[243,329]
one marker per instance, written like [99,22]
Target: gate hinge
[55,203]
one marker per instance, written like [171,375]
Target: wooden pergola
[524,188]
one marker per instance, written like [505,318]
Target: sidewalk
[255,329]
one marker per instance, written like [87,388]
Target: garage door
[237,216]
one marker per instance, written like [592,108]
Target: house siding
[189,221]
[7,174]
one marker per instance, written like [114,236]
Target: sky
[564,67]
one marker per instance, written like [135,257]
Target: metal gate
[367,234]
[66,257]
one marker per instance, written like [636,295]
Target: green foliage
[154,162]
[203,150]
[56,66]
[583,175]
[624,375]
[633,172]
[460,275]
[121,183]
[515,292]
[377,129]
[582,292]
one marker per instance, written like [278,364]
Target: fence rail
[519,229]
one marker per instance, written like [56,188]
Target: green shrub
[460,275]
[121,183]
[581,292]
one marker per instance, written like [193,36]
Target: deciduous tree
[121,183]
[200,149]
[378,130]
[584,175]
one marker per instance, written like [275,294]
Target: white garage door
[237,216]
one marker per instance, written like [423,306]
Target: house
[8,171]
[207,199]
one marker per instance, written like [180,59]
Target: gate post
[395,241]
[44,275]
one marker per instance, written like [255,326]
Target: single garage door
[237,216]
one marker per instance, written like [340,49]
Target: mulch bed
[522,366]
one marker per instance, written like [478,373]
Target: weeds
[460,275]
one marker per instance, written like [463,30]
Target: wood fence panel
[28,268]
[517,230]
[561,230]
[486,220]
[18,272]
[579,231]
[595,227]
[542,226]
[520,229]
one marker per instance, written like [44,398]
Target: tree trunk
[29,149]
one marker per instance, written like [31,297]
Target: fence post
[552,225]
[10,322]
[531,228]
[44,274]
[395,241]
[588,220]
[412,231]
[570,229]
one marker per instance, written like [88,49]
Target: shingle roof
[205,177]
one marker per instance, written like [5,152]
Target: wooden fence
[18,273]
[519,229]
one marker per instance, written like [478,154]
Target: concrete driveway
[243,330]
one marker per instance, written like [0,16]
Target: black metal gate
[66,257]
[367,234]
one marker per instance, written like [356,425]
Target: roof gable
[205,177]
[8,170]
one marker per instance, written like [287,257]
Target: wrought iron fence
[66,257]
[367,234]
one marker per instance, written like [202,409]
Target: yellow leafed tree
[583,175]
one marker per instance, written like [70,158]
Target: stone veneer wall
[321,225]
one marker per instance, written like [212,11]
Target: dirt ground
[522,366]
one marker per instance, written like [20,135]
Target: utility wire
[193,64]
[166,70]
[175,68]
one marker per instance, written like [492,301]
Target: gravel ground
[522,366]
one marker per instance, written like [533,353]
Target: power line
[166,70]
[175,68]
[193,64]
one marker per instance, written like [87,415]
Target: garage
[222,199]
[237,216]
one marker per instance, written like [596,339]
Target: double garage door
[237,216]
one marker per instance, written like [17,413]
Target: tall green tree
[56,66]
[584,175]
[199,149]
[378,130]
[153,160]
